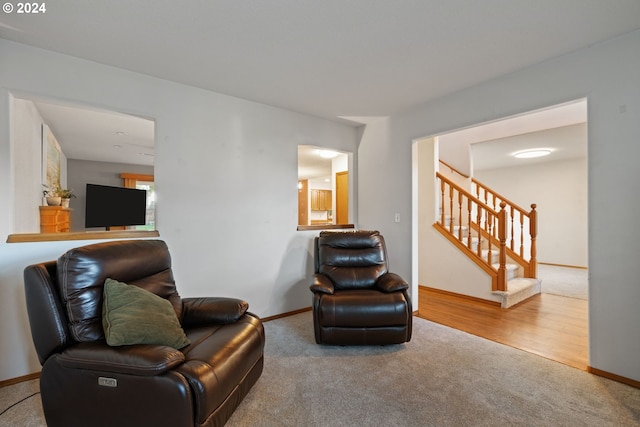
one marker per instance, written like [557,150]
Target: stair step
[457,228]
[518,290]
[495,255]
[474,241]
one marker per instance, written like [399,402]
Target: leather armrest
[140,359]
[47,316]
[209,310]
[321,284]
[391,282]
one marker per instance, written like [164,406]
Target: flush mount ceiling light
[530,154]
[327,154]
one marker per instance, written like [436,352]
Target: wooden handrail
[453,169]
[483,213]
[466,193]
[530,267]
[492,226]
[497,196]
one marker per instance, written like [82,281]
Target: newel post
[502,256]
[533,232]
[442,210]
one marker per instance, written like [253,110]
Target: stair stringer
[518,288]
[444,266]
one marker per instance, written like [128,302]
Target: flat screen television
[114,206]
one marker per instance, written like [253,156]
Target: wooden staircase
[498,235]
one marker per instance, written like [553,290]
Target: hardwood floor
[548,325]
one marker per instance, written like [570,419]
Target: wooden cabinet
[55,219]
[321,200]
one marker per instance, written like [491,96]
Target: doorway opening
[556,183]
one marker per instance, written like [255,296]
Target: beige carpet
[20,405]
[443,377]
[564,281]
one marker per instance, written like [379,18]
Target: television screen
[114,206]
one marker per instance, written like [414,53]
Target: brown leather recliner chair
[356,300]
[86,382]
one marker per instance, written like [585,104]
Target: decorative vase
[54,201]
[65,203]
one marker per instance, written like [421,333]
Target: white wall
[606,74]
[384,190]
[27,123]
[559,190]
[209,150]
[26,142]
[441,264]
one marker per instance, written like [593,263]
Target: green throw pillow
[132,315]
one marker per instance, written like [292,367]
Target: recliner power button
[107,382]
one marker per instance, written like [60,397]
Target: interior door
[342,197]
[303,202]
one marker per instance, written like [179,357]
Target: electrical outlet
[397,218]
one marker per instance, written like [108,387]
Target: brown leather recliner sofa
[356,300]
[86,382]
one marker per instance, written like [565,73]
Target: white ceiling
[311,165]
[356,58]
[492,144]
[91,134]
[326,58]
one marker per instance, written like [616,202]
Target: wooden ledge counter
[81,235]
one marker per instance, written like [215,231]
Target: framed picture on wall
[51,154]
